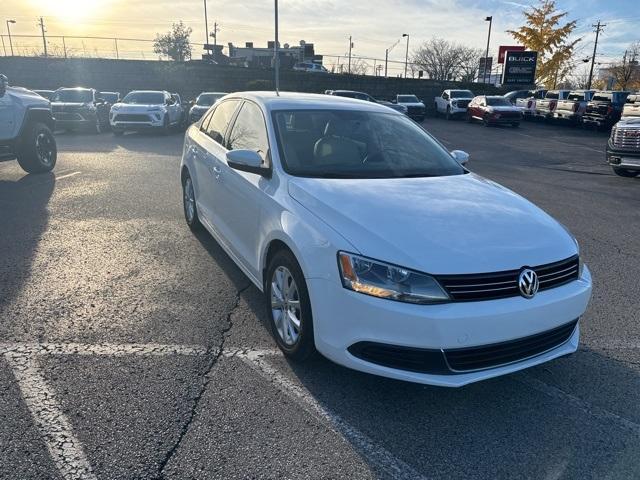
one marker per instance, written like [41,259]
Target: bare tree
[358,66]
[469,63]
[627,72]
[439,58]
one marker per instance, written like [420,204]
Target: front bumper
[598,121]
[343,318]
[152,121]
[503,120]
[77,119]
[457,110]
[626,159]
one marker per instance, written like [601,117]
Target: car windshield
[408,99]
[498,102]
[461,94]
[357,144]
[109,97]
[208,99]
[144,98]
[553,95]
[73,96]
[576,96]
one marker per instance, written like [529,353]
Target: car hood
[200,108]
[137,108]
[440,225]
[412,104]
[61,105]
[505,108]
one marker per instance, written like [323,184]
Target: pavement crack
[213,353]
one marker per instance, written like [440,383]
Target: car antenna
[276,56]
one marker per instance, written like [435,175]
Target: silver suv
[26,129]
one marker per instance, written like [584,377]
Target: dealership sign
[520,68]
[508,48]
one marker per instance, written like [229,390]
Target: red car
[494,110]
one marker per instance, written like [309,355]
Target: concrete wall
[191,78]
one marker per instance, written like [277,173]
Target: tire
[448,114]
[296,342]
[485,121]
[623,172]
[38,151]
[189,206]
[166,126]
[469,118]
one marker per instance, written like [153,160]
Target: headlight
[454,104]
[383,280]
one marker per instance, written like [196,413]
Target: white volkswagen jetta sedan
[375,246]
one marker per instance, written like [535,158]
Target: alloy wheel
[189,200]
[285,305]
[44,149]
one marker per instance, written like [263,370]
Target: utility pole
[44,39]
[598,27]
[486,57]
[64,47]
[206,23]
[9,32]
[350,47]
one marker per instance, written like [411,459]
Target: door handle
[216,169]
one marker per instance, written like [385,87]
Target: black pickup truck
[604,109]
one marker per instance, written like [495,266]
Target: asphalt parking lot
[131,348]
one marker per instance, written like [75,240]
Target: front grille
[131,117]
[627,138]
[463,103]
[402,358]
[509,114]
[490,286]
[415,110]
[488,356]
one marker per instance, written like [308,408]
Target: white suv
[453,102]
[143,110]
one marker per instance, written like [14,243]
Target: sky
[374,24]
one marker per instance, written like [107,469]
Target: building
[262,57]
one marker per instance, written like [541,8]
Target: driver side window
[445,96]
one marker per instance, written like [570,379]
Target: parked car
[111,97]
[376,246]
[184,109]
[204,101]
[367,98]
[44,93]
[26,129]
[528,105]
[572,109]
[631,106]
[80,109]
[145,110]
[623,147]
[310,67]
[494,110]
[517,94]
[604,109]
[547,105]
[453,103]
[415,107]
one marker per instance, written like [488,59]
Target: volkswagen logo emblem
[528,283]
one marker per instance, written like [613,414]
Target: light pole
[9,32]
[486,57]
[386,56]
[406,57]
[206,23]
[276,60]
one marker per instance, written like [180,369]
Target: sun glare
[72,10]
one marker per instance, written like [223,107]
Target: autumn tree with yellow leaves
[544,33]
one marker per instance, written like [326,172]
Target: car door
[7,120]
[208,156]
[240,192]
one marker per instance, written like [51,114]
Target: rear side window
[220,120]
[553,95]
[576,96]
[601,97]
[249,131]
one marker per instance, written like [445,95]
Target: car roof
[148,91]
[307,101]
[79,89]
[213,93]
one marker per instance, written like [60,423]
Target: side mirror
[461,157]
[247,161]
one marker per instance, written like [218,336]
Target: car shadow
[24,215]
[563,419]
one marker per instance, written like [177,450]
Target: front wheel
[189,203]
[166,127]
[448,114]
[623,172]
[38,151]
[289,307]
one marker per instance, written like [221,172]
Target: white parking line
[60,177]
[392,466]
[65,449]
